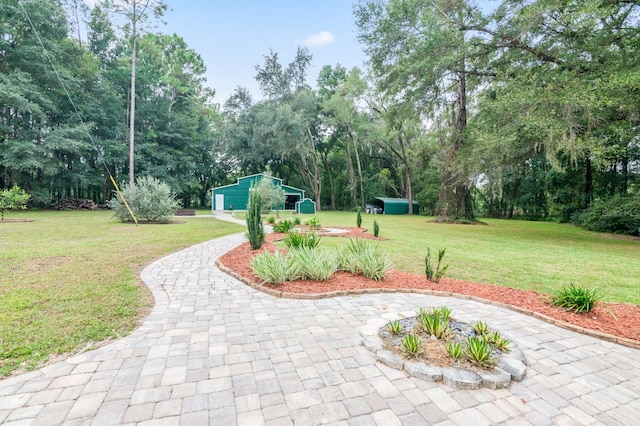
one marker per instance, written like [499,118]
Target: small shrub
[295,240]
[454,349]
[435,274]
[502,344]
[480,327]
[271,219]
[412,345]
[15,198]
[376,228]
[443,311]
[314,222]
[315,264]
[576,298]
[394,327]
[274,268]
[434,324]
[359,217]
[296,220]
[283,226]
[151,200]
[479,352]
[360,257]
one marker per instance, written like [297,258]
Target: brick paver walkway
[214,351]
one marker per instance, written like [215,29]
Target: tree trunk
[352,177]
[332,191]
[133,104]
[355,149]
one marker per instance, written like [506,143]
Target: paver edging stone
[511,366]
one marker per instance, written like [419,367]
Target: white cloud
[320,39]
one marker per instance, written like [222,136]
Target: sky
[233,36]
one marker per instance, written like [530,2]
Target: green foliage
[455,350]
[13,199]
[272,195]
[412,345]
[480,327]
[479,352]
[314,222]
[618,215]
[315,264]
[296,220]
[394,327]
[271,219]
[576,298]
[255,230]
[275,268]
[434,324]
[283,226]
[376,228]
[359,217]
[151,200]
[360,257]
[435,274]
[295,240]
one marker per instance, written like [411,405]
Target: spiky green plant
[434,324]
[412,345]
[480,327]
[295,240]
[283,226]
[436,273]
[479,352]
[394,327]
[315,264]
[576,298]
[359,217]
[376,228]
[274,268]
[455,350]
[360,257]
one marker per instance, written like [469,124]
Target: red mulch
[619,320]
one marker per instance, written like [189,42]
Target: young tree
[255,230]
[272,195]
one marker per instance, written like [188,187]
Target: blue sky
[232,36]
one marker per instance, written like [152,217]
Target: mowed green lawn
[537,256]
[71,279]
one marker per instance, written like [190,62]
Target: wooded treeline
[530,110]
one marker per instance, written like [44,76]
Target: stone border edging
[630,343]
[511,366]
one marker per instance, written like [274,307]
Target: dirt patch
[615,322]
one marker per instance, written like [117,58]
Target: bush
[13,199]
[315,264]
[360,257]
[314,223]
[618,215]
[376,228]
[274,268]
[576,298]
[296,220]
[295,240]
[283,226]
[152,200]
[271,219]
[255,230]
[359,217]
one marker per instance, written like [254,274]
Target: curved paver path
[214,351]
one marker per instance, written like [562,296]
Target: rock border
[511,365]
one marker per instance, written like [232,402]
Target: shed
[306,206]
[236,195]
[385,205]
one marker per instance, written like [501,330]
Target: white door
[219,202]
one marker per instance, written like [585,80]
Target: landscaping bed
[615,322]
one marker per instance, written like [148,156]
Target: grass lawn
[70,279]
[539,256]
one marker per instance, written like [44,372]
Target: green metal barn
[383,205]
[236,195]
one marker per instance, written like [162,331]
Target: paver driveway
[214,351]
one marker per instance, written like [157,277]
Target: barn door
[219,202]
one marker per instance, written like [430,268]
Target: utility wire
[84,126]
